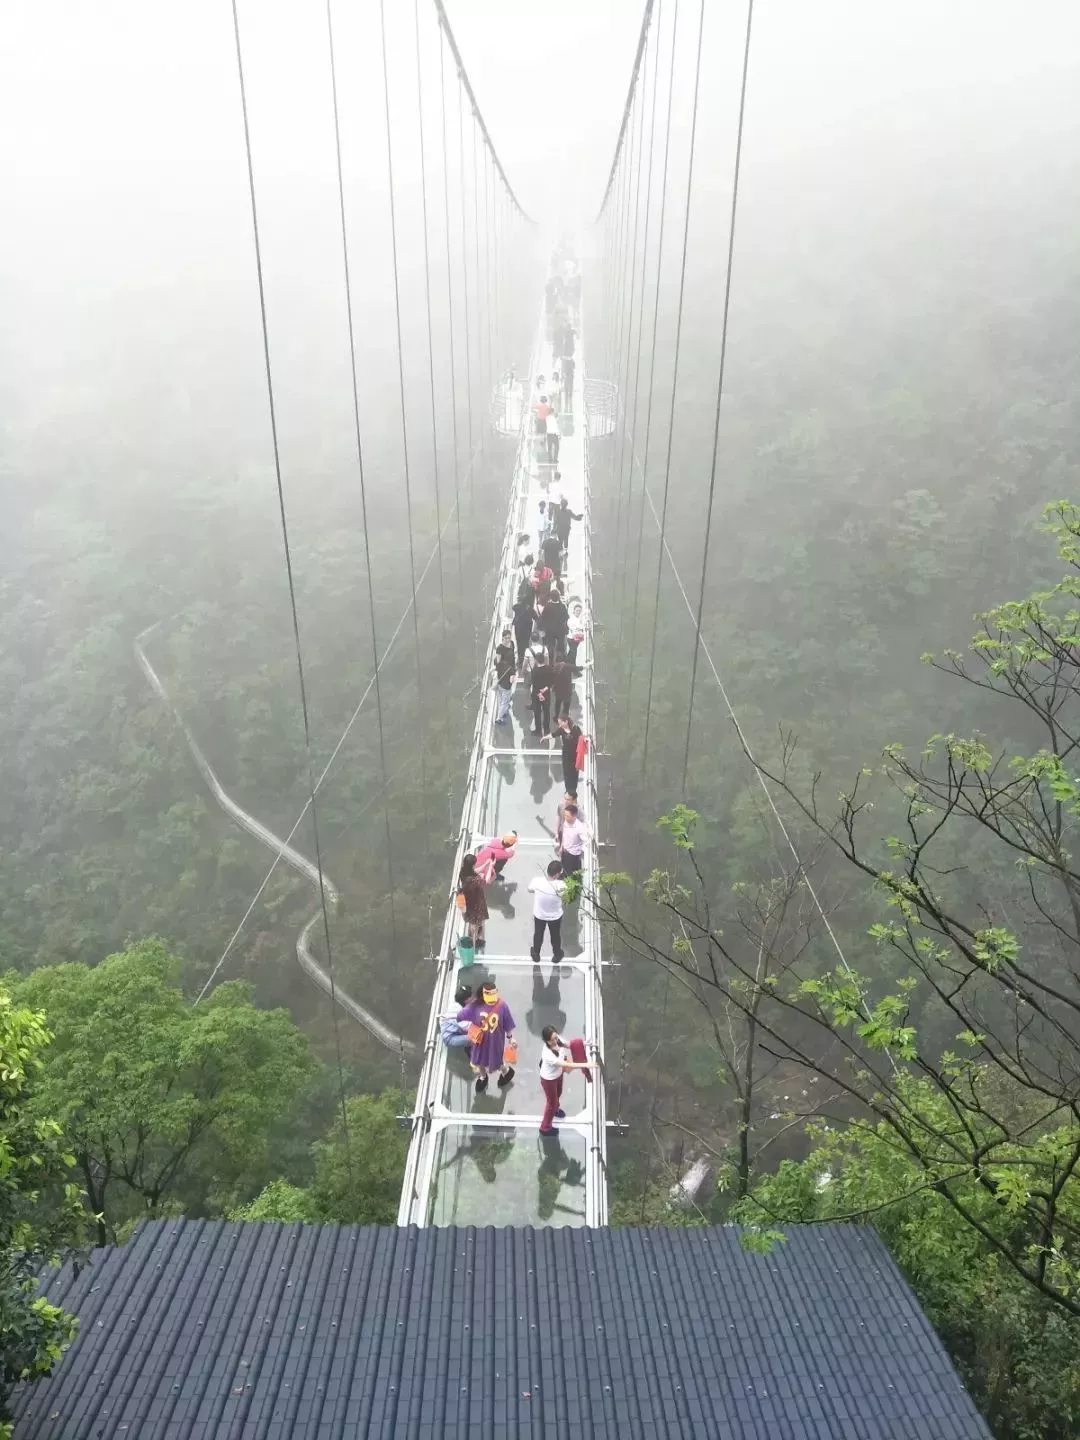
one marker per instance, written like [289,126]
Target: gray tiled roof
[202,1330]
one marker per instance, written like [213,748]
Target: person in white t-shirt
[555,1060]
[554,436]
[547,892]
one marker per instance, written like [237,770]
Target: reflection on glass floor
[537,996]
[517,733]
[487,1175]
[521,793]
[509,928]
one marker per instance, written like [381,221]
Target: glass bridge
[478,1159]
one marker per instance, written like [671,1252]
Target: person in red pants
[555,1060]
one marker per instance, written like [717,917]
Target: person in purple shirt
[490,1026]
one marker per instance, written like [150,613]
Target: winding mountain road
[282,851]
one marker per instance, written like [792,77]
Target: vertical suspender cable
[663,527]
[632,649]
[292,587]
[719,387]
[612,216]
[465,275]
[450,320]
[482,318]
[624,468]
[491,271]
[427,302]
[404,423]
[674,378]
[375,662]
[625,333]
[615,306]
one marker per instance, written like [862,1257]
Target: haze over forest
[900,405]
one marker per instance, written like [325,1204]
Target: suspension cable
[675,367]
[362,475]
[368,688]
[465,269]
[450,318]
[631,88]
[631,649]
[631,271]
[463,76]
[292,586]
[478,291]
[404,421]
[637,357]
[491,245]
[719,399]
[427,302]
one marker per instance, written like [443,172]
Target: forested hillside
[850,992]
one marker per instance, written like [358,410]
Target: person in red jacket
[541,581]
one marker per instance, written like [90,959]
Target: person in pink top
[491,858]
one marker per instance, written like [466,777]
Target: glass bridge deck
[479,1159]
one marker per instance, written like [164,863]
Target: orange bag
[459,900]
[475,1032]
[510,1052]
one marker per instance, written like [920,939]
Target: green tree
[42,1219]
[975,987]
[1019,1352]
[154,1092]
[359,1167]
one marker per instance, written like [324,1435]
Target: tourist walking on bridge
[505,664]
[579,629]
[491,1033]
[541,581]
[540,679]
[551,553]
[562,687]
[572,840]
[524,616]
[547,892]
[554,437]
[561,519]
[573,743]
[471,889]
[568,384]
[555,624]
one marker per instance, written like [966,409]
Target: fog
[902,344]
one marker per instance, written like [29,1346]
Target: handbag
[510,1052]
[475,1033]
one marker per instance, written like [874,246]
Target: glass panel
[517,734]
[537,995]
[509,928]
[495,1176]
[521,793]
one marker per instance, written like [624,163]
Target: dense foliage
[1018,1352]
[164,1104]
[357,1170]
[42,1220]
[945,1078]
